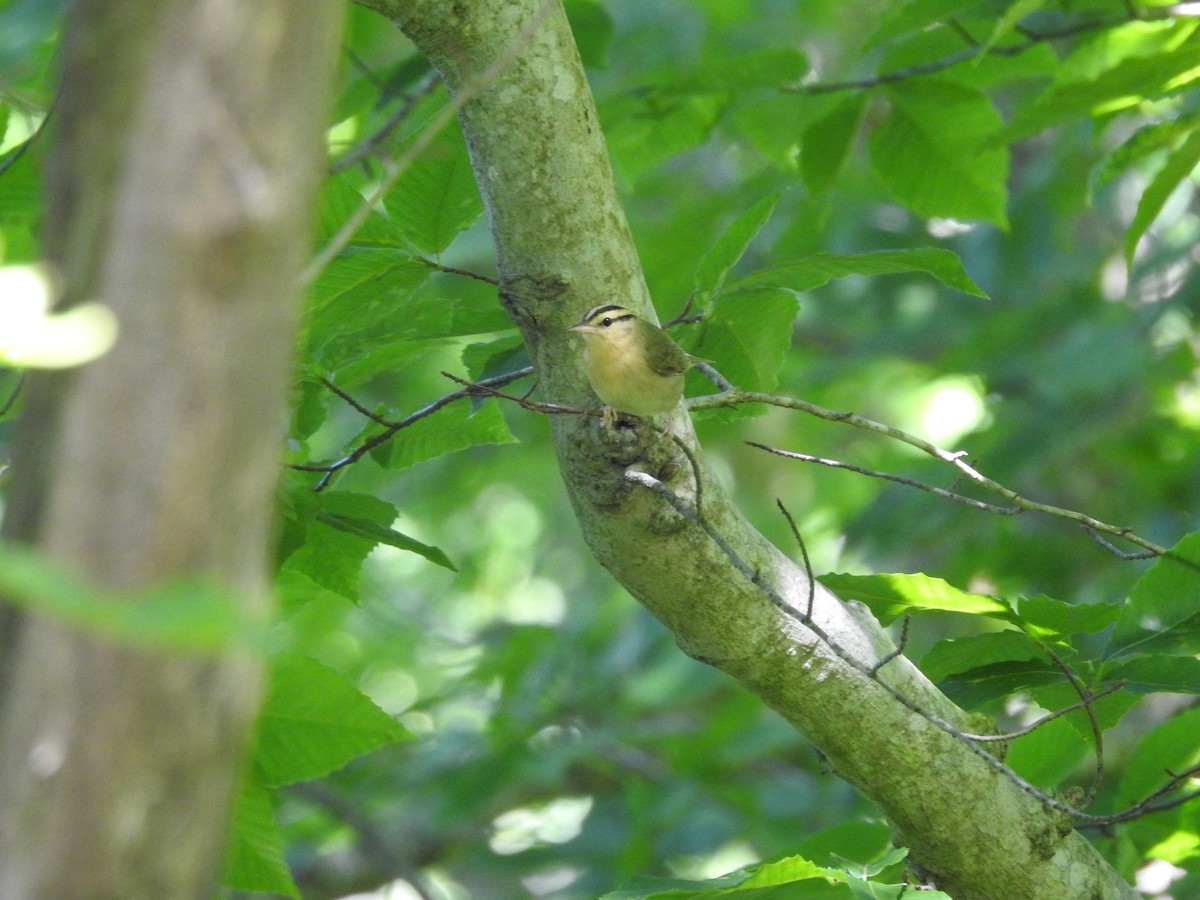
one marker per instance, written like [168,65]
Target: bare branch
[956,459]
[451,270]
[941,492]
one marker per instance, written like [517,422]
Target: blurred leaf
[929,151]
[977,687]
[1009,19]
[1147,140]
[730,247]
[1129,82]
[891,596]
[1165,597]
[436,198]
[193,615]
[593,30]
[825,144]
[1180,164]
[339,201]
[314,721]
[917,15]
[255,860]
[1170,747]
[816,270]
[956,655]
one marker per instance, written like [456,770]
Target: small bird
[633,366]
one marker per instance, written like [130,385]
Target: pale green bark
[563,246]
[187,152]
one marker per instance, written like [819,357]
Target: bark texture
[187,151]
[563,246]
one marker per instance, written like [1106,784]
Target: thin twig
[941,492]
[899,651]
[1086,698]
[1049,717]
[367,145]
[1032,39]
[808,570]
[451,270]
[12,398]
[358,407]
[954,458]
[485,387]
[392,428]
[1114,550]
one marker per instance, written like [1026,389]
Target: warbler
[633,365]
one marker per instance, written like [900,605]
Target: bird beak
[584,328]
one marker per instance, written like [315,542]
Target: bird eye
[607,321]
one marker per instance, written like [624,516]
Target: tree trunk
[187,152]
[563,246]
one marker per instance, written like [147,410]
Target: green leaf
[730,247]
[957,655]
[436,198]
[916,15]
[825,144]
[1046,617]
[380,534]
[1128,83]
[1150,674]
[1144,142]
[339,201]
[647,129]
[255,860]
[891,596]
[746,334]
[1179,165]
[190,615]
[1048,754]
[332,556]
[593,29]
[1008,20]
[1171,747]
[451,428]
[1166,596]
[929,151]
[315,721]
[816,270]
[982,685]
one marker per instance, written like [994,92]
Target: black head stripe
[599,310]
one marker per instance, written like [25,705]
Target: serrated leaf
[825,144]
[380,534]
[1180,164]
[984,684]
[929,151]
[814,271]
[315,721]
[746,334]
[956,655]
[339,201]
[1129,82]
[454,427]
[1171,747]
[892,595]
[332,557]
[1045,616]
[495,358]
[730,247]
[436,198]
[1150,674]
[255,860]
[1167,595]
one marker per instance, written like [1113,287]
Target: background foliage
[540,734]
